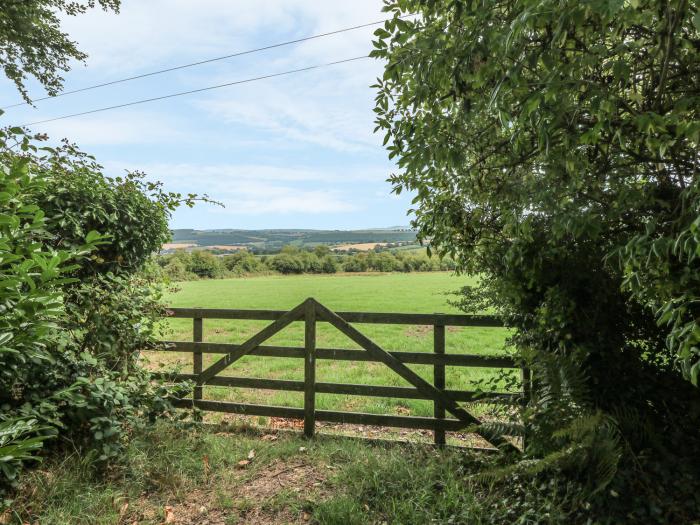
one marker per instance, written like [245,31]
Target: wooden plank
[352,317]
[398,392]
[439,379]
[251,343]
[422,319]
[197,363]
[309,368]
[412,422]
[225,313]
[526,379]
[342,354]
[240,408]
[331,416]
[225,348]
[242,382]
[409,375]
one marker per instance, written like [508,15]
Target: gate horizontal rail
[331,416]
[352,389]
[311,313]
[350,317]
[342,354]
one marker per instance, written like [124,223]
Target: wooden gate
[312,312]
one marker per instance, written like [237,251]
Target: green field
[414,292]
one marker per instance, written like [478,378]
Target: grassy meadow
[194,475]
[396,292]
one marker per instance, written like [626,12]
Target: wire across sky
[201,62]
[199,90]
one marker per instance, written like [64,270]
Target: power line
[208,88]
[199,63]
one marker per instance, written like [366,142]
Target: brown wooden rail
[311,313]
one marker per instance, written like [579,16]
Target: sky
[295,151]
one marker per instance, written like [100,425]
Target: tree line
[202,264]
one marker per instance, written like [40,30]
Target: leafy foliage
[32,43]
[18,442]
[31,302]
[553,147]
[660,267]
[72,322]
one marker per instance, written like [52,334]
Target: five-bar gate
[311,312]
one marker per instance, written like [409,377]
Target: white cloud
[219,177]
[262,198]
[117,128]
[331,107]
[262,189]
[299,144]
[151,33]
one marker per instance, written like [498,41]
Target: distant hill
[270,239]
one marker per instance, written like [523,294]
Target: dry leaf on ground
[169,514]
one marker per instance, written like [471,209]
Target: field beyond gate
[312,312]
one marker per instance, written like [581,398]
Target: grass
[415,292]
[193,476]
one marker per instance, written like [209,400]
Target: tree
[243,262]
[206,265]
[321,251]
[553,148]
[32,43]
[328,264]
[286,262]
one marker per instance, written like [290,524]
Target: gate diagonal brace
[252,343]
[409,375]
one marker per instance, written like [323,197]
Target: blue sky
[290,152]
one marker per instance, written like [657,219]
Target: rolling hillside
[271,239]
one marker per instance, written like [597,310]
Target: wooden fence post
[526,378]
[439,378]
[309,368]
[198,337]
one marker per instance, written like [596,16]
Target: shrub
[77,198]
[74,316]
[175,270]
[552,148]
[356,263]
[286,263]
[328,264]
[205,265]
[32,276]
[244,262]
[181,265]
